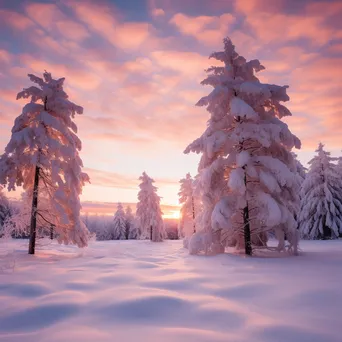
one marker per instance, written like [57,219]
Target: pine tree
[43,157]
[300,169]
[247,171]
[321,201]
[187,222]
[5,211]
[119,224]
[149,214]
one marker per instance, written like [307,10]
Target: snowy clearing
[143,291]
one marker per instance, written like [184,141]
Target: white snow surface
[143,291]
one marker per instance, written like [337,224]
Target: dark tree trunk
[246,226]
[127,231]
[247,231]
[193,212]
[51,232]
[33,226]
[151,233]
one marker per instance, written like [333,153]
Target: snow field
[143,291]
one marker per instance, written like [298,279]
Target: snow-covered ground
[143,291]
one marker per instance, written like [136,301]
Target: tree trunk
[51,232]
[247,231]
[33,226]
[151,232]
[246,225]
[193,212]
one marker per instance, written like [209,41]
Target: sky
[135,66]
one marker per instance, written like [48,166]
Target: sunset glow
[172,215]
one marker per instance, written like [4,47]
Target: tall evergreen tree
[187,221]
[300,169]
[119,224]
[247,171]
[5,210]
[321,201]
[149,214]
[43,157]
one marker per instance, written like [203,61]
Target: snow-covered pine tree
[119,224]
[43,157]
[321,201]
[300,169]
[149,214]
[5,210]
[301,174]
[339,166]
[187,223]
[131,230]
[247,171]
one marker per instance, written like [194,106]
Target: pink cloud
[255,6]
[48,43]
[44,15]
[187,63]
[100,18]
[130,36]
[104,20]
[71,30]
[328,8]
[209,30]
[267,20]
[176,6]
[15,20]
[5,56]
[77,77]
[316,93]
[158,12]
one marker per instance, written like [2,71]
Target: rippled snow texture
[143,291]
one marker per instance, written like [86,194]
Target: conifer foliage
[42,156]
[321,199]
[5,210]
[149,214]
[247,172]
[187,225]
[119,224]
